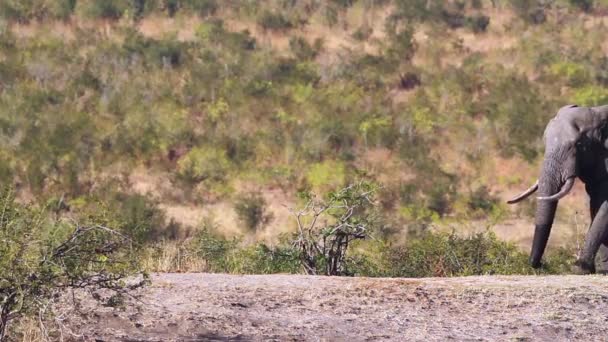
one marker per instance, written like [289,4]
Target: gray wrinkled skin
[576,146]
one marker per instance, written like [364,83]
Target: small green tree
[252,210]
[41,257]
[326,227]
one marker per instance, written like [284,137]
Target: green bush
[402,45]
[262,259]
[575,74]
[203,163]
[62,9]
[105,9]
[212,248]
[42,257]
[251,209]
[20,11]
[418,10]
[531,11]
[443,254]
[327,228]
[585,5]
[363,33]
[478,23]
[326,176]
[158,52]
[303,50]
[430,254]
[590,96]
[171,6]
[228,256]
[26,10]
[274,21]
[481,202]
[202,8]
[142,219]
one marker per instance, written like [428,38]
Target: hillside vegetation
[199,121]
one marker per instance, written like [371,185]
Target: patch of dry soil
[203,307]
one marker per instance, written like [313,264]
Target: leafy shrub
[203,163]
[202,8]
[41,257]
[171,6]
[62,9]
[213,30]
[363,33]
[478,23]
[370,258]
[601,71]
[443,254]
[418,10]
[142,219]
[25,11]
[160,52]
[343,3]
[331,15]
[212,248]
[376,130]
[348,215]
[262,259]
[251,210]
[105,9]
[481,202]
[590,96]
[16,10]
[575,74]
[429,254]
[532,12]
[274,21]
[438,254]
[223,255]
[402,45]
[326,176]
[585,5]
[303,50]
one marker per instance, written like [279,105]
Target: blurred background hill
[180,114]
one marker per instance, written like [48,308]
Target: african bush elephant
[576,145]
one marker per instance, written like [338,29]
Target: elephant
[576,146]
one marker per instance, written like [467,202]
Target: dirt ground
[216,307]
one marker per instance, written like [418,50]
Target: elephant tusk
[524,194]
[563,192]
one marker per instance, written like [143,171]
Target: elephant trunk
[545,213]
[550,183]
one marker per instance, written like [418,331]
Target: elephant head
[567,138]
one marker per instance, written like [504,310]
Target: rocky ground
[215,307]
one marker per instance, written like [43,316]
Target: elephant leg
[601,260]
[595,236]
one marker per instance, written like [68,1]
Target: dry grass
[159,26]
[51,328]
[28,330]
[173,256]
